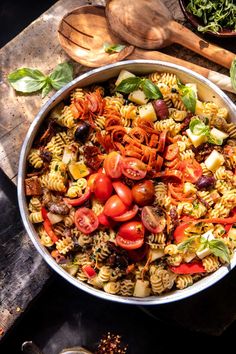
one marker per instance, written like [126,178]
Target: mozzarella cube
[147,111]
[214,161]
[218,134]
[138,96]
[199,109]
[206,251]
[196,139]
[141,288]
[124,74]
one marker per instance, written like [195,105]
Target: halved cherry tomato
[86,220]
[114,206]
[128,244]
[179,234]
[113,165]
[89,271]
[162,141]
[134,168]
[130,235]
[188,268]
[153,220]
[102,187]
[130,214]
[106,221]
[123,192]
[144,193]
[79,201]
[48,228]
[173,176]
[191,169]
[171,152]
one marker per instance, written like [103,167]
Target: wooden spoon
[83,33]
[84,47]
[149,24]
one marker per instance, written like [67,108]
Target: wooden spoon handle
[188,39]
[221,80]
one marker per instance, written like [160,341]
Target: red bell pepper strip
[188,268]
[44,213]
[89,271]
[48,228]
[178,234]
[79,201]
[229,220]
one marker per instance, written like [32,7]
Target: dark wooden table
[23,273]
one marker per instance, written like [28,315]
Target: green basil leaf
[151,90]
[61,75]
[189,98]
[129,85]
[46,89]
[233,73]
[27,80]
[113,48]
[219,249]
[198,127]
[213,140]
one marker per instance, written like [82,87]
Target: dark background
[64,316]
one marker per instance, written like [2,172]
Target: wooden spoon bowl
[148,24]
[82,34]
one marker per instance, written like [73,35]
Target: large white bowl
[207,91]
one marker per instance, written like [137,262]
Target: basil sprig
[134,83]
[198,127]
[233,73]
[188,97]
[186,245]
[29,80]
[113,48]
[217,247]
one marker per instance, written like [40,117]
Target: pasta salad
[131,185]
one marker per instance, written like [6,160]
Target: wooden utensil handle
[221,80]
[188,39]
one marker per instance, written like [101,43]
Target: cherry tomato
[79,201]
[86,220]
[123,192]
[130,235]
[128,244]
[162,141]
[106,221]
[153,219]
[144,193]
[113,165]
[132,230]
[114,206]
[173,176]
[171,152]
[134,168]
[102,187]
[191,169]
[90,182]
[130,214]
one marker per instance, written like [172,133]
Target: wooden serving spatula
[148,24]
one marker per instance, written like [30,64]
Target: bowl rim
[195,22]
[173,296]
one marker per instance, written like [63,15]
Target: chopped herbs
[216,15]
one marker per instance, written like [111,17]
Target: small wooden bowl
[195,21]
